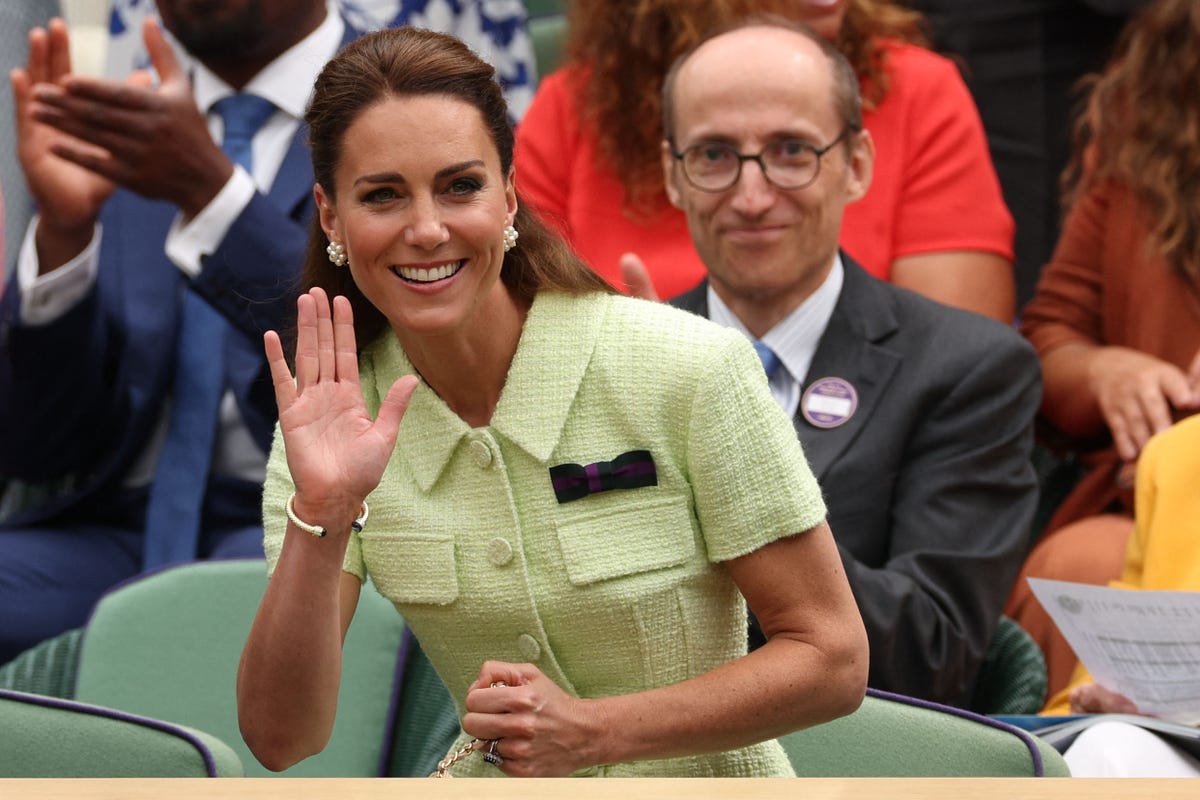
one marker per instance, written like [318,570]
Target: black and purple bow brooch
[627,471]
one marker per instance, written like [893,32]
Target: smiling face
[766,249]
[420,204]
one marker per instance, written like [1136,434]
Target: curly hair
[867,24]
[625,49]
[1142,129]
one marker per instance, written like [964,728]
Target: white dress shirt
[794,338]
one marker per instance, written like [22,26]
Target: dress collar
[556,345]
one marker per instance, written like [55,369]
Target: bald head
[760,48]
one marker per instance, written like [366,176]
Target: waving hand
[335,451]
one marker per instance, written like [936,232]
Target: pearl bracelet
[317,530]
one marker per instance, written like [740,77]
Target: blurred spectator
[1163,553]
[1116,317]
[917,419]
[934,220]
[494,29]
[136,408]
[1022,60]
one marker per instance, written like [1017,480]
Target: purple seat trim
[1034,754]
[210,765]
[389,737]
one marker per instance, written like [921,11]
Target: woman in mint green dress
[585,491]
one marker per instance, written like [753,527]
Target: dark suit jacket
[929,485]
[79,397]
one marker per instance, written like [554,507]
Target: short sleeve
[276,491]
[750,480]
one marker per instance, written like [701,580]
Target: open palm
[66,194]
[335,451]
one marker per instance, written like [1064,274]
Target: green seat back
[546,21]
[894,736]
[167,645]
[45,737]
[427,721]
[47,668]
[542,8]
[549,35]
[1013,678]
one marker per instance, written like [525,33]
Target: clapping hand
[637,277]
[68,196]
[152,140]
[335,451]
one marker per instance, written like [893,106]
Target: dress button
[530,649]
[499,551]
[481,453]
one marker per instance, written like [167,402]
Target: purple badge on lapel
[829,402]
[627,471]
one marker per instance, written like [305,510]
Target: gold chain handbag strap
[473,746]
[446,763]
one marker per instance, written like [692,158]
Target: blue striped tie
[770,361]
[177,495]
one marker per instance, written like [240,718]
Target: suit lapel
[294,181]
[694,300]
[851,349]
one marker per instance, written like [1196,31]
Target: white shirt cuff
[45,298]
[188,242]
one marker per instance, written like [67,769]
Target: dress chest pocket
[412,568]
[611,543]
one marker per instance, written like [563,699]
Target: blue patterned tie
[177,495]
[770,361]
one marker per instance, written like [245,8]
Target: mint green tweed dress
[616,592]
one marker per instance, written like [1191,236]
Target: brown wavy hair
[1142,129]
[624,50]
[399,62]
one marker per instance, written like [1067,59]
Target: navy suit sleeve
[55,382]
[961,504]
[253,276]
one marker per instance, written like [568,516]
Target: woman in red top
[588,150]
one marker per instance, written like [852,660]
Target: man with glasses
[916,418]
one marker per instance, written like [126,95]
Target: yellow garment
[1164,550]
[615,593]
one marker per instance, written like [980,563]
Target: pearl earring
[510,238]
[337,253]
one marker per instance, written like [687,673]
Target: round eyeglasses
[785,163]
